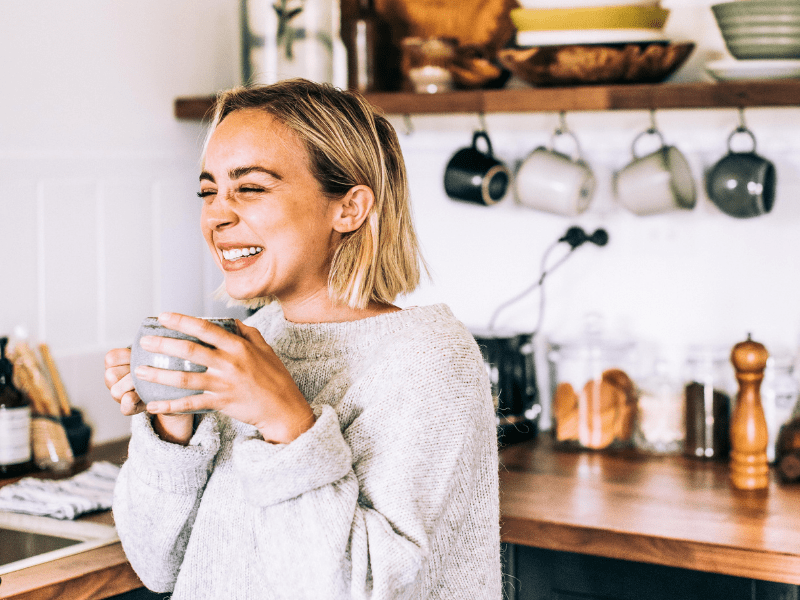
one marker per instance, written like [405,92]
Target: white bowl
[588,36]
[760,29]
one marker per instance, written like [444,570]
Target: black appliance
[509,361]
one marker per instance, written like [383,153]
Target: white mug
[554,182]
[656,183]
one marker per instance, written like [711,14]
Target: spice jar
[426,64]
[709,385]
[660,421]
[593,398]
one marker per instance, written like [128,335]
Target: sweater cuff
[172,467]
[273,473]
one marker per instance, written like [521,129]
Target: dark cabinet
[536,574]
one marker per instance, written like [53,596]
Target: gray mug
[742,184]
[151,392]
[555,182]
[656,183]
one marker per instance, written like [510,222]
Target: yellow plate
[600,17]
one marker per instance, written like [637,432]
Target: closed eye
[206,193]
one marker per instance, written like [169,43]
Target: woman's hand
[171,428]
[120,383]
[244,379]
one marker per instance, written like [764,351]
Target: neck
[319,308]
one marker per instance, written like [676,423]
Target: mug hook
[563,131]
[409,125]
[652,130]
[562,123]
[742,128]
[482,122]
[653,125]
[485,137]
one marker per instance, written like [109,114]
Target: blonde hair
[348,144]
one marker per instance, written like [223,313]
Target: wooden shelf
[732,94]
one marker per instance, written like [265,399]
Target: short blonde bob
[348,144]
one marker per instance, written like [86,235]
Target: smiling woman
[324,469]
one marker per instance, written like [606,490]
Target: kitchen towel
[89,491]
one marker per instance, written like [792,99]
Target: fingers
[123,386]
[118,357]
[181,405]
[202,329]
[180,379]
[130,404]
[191,351]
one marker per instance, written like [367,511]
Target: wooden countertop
[673,511]
[89,575]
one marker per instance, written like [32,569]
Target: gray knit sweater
[393,493]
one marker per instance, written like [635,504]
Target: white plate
[587,36]
[733,70]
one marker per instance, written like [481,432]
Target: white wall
[98,218]
[98,213]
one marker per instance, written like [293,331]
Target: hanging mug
[476,176]
[553,181]
[658,182]
[742,184]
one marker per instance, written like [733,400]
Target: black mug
[742,184]
[475,176]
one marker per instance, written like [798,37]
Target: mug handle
[566,133]
[745,130]
[651,131]
[482,134]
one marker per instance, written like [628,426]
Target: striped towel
[89,491]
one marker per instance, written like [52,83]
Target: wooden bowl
[646,62]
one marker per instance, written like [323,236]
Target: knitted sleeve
[373,511]
[156,498]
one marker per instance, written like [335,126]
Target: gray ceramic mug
[742,184]
[555,182]
[151,392]
[655,183]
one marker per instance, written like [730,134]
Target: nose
[219,213]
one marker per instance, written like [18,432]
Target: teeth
[237,253]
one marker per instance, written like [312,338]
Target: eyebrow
[240,172]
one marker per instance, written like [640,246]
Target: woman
[352,449]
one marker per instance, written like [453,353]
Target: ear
[352,209]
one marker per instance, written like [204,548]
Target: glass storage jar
[660,420]
[709,387]
[779,392]
[594,400]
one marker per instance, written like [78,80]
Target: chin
[221,293]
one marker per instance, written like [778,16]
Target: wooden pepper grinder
[749,469]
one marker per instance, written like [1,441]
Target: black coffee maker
[509,360]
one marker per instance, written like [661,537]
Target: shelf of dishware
[723,94]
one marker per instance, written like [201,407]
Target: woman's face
[264,216]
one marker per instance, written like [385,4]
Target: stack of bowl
[577,42]
[763,36]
